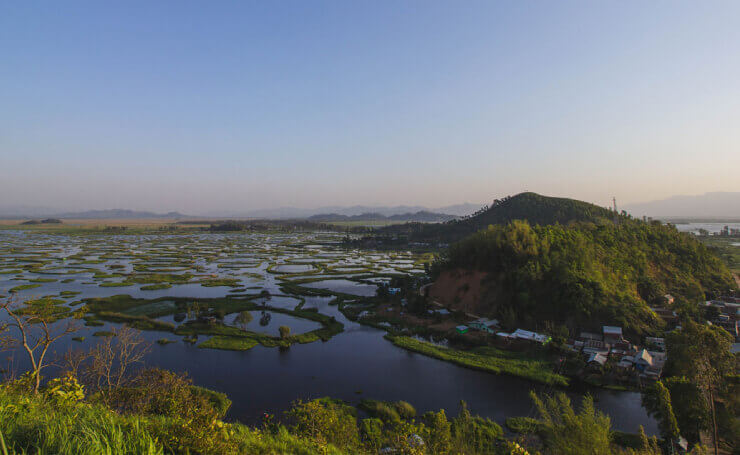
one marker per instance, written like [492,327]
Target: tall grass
[31,424]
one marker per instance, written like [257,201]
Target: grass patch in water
[69,293]
[104,333]
[521,364]
[139,322]
[24,287]
[156,287]
[229,343]
[116,285]
[215,282]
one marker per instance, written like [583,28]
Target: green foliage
[689,406]
[371,434]
[532,366]
[477,434]
[567,432]
[438,434]
[325,422]
[534,208]
[586,275]
[64,390]
[522,425]
[382,410]
[657,400]
[229,343]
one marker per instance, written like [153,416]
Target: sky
[207,106]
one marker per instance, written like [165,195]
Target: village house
[521,334]
[655,343]
[612,334]
[596,359]
[485,325]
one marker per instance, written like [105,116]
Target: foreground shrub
[325,422]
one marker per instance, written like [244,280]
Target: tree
[112,362]
[35,322]
[689,406]
[702,354]
[438,435]
[657,400]
[569,433]
[243,318]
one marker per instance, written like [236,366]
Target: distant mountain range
[717,205]
[119,213]
[421,216]
[294,212]
[30,212]
[358,212]
[725,205]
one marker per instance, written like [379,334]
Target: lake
[355,364]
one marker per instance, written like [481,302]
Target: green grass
[523,365]
[121,284]
[104,333]
[24,287]
[69,293]
[214,282]
[139,322]
[229,343]
[156,287]
[38,425]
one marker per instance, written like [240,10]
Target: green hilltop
[533,207]
[584,274]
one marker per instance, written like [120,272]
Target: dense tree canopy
[588,274]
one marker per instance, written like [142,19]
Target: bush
[325,422]
[380,409]
[405,410]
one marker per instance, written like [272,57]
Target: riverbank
[525,365]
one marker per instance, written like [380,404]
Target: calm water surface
[353,365]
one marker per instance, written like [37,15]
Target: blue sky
[207,106]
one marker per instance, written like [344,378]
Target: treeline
[420,216]
[585,274]
[277,225]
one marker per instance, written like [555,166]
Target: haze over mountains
[404,211]
[709,205]
[719,205]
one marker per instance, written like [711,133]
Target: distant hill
[710,205]
[420,216]
[533,207]
[356,210]
[118,214]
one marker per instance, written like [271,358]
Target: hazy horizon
[237,106]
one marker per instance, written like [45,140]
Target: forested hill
[583,275]
[534,208]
